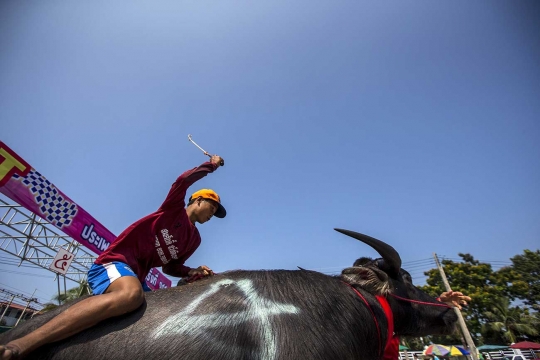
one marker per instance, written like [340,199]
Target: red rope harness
[388,312]
[372,314]
[421,302]
[390,318]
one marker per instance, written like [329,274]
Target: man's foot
[10,352]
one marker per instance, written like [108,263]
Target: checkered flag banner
[24,185]
[54,207]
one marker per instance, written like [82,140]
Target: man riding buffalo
[166,237]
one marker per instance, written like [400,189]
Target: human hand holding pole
[454,298]
[218,158]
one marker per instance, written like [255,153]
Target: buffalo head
[415,312]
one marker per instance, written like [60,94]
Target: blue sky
[416,122]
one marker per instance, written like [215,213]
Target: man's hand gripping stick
[204,151]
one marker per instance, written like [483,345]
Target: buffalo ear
[365,278]
[362,261]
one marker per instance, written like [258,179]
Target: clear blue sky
[417,122]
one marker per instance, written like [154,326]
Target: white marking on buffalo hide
[258,308]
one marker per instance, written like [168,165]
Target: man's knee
[126,300]
[128,293]
[134,298]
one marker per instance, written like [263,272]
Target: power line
[27,293]
[419,261]
[416,267]
[406,263]
[23,273]
[16,263]
[11,287]
[444,257]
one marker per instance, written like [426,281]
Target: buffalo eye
[407,277]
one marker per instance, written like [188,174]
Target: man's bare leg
[123,295]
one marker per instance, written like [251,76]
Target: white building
[14,312]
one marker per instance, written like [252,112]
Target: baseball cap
[212,195]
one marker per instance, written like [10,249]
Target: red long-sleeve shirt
[163,236]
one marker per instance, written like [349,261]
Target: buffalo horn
[388,253]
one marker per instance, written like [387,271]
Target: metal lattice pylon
[28,237]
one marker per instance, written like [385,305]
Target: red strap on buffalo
[391,351]
[392,342]
[388,313]
[422,302]
[374,318]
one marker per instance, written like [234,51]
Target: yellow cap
[212,195]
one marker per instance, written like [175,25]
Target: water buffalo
[266,314]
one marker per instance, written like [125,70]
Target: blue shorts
[100,277]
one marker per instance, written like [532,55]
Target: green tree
[473,278]
[48,307]
[73,293]
[523,277]
[507,324]
[413,343]
[536,322]
[486,287]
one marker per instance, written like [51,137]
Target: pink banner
[29,188]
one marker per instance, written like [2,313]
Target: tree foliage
[48,307]
[523,277]
[71,294]
[492,292]
[505,324]
[472,278]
